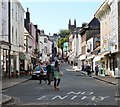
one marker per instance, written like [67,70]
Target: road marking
[73,93]
[102,98]
[93,98]
[83,97]
[85,93]
[70,70]
[41,97]
[73,97]
[58,96]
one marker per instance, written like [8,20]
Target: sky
[53,16]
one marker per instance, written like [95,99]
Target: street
[76,88]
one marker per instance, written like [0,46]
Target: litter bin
[102,71]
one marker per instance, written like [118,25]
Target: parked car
[38,75]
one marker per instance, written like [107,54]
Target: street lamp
[41,50]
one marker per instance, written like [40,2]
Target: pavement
[108,79]
[7,83]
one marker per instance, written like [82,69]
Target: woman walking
[57,76]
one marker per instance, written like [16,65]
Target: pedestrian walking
[49,74]
[88,69]
[57,76]
[96,70]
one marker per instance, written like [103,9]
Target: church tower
[75,23]
[70,26]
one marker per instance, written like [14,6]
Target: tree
[64,32]
[64,36]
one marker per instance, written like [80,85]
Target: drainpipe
[0,64]
[9,33]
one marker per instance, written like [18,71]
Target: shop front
[24,59]
[5,62]
[98,60]
[4,59]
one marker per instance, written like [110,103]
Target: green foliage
[64,37]
[61,42]
[64,32]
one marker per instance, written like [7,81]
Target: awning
[24,56]
[90,57]
[97,58]
[82,57]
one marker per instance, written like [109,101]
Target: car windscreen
[44,68]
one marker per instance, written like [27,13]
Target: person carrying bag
[57,76]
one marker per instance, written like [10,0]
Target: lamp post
[41,50]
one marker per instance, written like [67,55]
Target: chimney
[84,24]
[35,26]
[28,15]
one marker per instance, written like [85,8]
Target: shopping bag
[61,73]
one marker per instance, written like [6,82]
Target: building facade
[17,31]
[108,15]
[4,39]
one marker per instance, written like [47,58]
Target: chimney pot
[27,9]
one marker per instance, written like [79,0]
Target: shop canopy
[98,58]
[24,56]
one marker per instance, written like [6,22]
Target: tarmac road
[75,89]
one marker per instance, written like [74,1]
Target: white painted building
[4,38]
[49,49]
[17,32]
[110,36]
[115,35]
[71,49]
[25,54]
[43,46]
